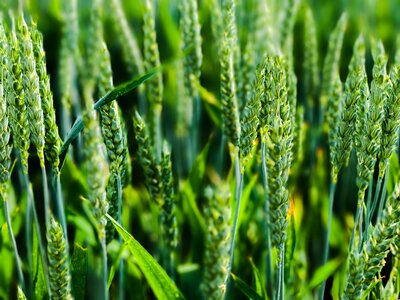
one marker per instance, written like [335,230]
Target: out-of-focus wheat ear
[96,166]
[69,64]
[391,121]
[334,109]
[332,61]
[153,87]
[250,117]
[15,98]
[262,30]
[216,255]
[248,72]
[286,30]
[217,25]
[126,38]
[97,175]
[230,113]
[342,139]
[147,159]
[191,45]
[168,216]
[310,61]
[52,138]
[59,267]
[93,53]
[372,137]
[31,88]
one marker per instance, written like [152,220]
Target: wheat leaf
[119,91]
[161,284]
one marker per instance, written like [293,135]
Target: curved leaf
[162,285]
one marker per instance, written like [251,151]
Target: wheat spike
[216,255]
[371,138]
[5,143]
[52,139]
[148,161]
[168,219]
[342,139]
[331,63]
[279,137]
[15,98]
[230,113]
[154,87]
[250,118]
[391,121]
[59,270]
[96,167]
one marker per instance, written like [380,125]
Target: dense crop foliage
[199,149]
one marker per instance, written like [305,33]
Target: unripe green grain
[5,145]
[279,138]
[15,98]
[191,45]
[52,139]
[110,118]
[375,249]
[216,255]
[230,114]
[371,139]
[114,137]
[250,121]
[391,121]
[342,140]
[332,61]
[59,269]
[168,219]
[31,88]
[147,159]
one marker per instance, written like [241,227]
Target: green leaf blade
[161,284]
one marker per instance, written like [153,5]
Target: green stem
[332,189]
[382,198]
[371,209]
[13,242]
[280,285]
[238,195]
[360,202]
[42,249]
[46,198]
[121,282]
[267,219]
[105,269]
[60,205]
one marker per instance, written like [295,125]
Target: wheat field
[199,149]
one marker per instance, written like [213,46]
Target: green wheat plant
[221,149]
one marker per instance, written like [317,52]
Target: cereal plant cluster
[199,149]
